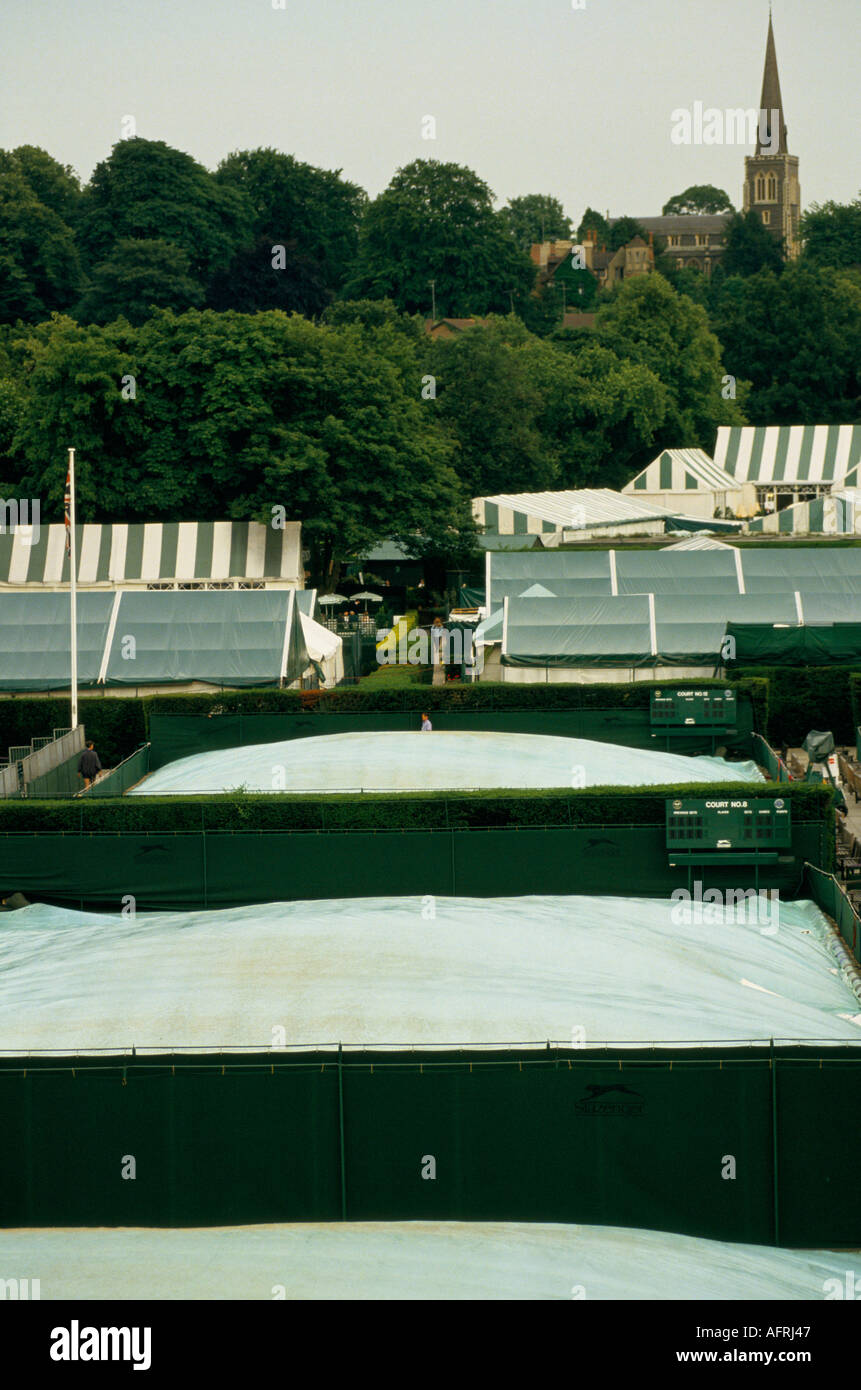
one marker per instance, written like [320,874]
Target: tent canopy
[152,637]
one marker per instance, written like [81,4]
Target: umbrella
[368,597]
[328,600]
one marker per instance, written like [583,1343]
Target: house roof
[683,222]
[455,325]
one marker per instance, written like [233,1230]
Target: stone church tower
[771,179]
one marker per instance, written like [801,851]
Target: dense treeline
[216,344]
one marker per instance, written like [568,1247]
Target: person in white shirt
[427,726]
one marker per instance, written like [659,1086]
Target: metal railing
[31,762]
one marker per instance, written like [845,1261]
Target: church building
[771,186]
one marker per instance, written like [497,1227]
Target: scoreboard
[707,707]
[751,825]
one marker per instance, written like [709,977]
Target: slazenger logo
[616,1102]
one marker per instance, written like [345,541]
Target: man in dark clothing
[88,764]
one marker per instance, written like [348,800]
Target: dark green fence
[619,1138]
[224,869]
[125,775]
[830,895]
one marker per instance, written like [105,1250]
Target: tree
[56,186]
[592,221]
[623,230]
[136,278]
[797,338]
[314,212]
[599,411]
[699,198]
[73,376]
[750,247]
[146,190]
[490,401]
[264,275]
[40,271]
[647,322]
[234,414]
[580,285]
[536,217]
[831,234]
[435,222]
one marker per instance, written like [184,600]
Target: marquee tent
[152,638]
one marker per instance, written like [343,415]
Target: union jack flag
[67,502]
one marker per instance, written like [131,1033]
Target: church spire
[771,99]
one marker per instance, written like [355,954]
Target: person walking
[427,726]
[89,764]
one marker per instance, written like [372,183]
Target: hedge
[801,698]
[599,806]
[481,696]
[117,726]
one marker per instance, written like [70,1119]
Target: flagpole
[73,593]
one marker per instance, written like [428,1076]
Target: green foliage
[831,234]
[699,198]
[40,269]
[623,230]
[599,806]
[500,446]
[797,338]
[534,218]
[138,277]
[312,213]
[750,247]
[55,185]
[146,190]
[529,415]
[436,222]
[647,322]
[486,695]
[592,221]
[117,727]
[802,698]
[236,413]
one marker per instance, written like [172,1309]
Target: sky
[568,97]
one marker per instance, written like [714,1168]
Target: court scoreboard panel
[740,823]
[686,706]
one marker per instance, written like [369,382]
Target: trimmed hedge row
[117,726]
[600,806]
[801,698]
[482,696]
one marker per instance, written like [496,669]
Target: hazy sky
[534,95]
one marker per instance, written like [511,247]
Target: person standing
[427,726]
[89,764]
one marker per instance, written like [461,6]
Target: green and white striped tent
[786,455]
[836,513]
[682,470]
[166,554]
[568,513]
